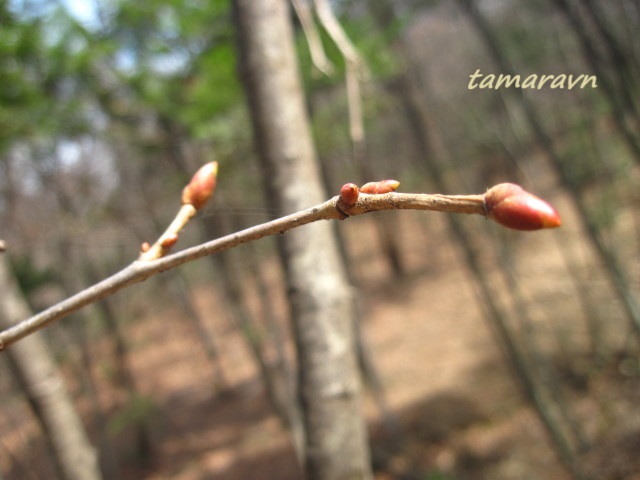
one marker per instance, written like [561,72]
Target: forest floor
[456,407]
[457,411]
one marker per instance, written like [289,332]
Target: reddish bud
[383,186]
[349,194]
[145,247]
[169,241]
[201,186]
[513,207]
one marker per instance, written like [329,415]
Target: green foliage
[213,87]
[178,59]
[21,76]
[39,67]
[372,44]
[438,475]
[29,276]
[137,412]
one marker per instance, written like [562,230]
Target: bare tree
[614,78]
[614,270]
[37,374]
[320,297]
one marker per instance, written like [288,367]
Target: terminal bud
[201,186]
[511,206]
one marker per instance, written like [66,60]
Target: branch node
[343,215]
[506,204]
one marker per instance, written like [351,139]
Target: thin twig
[161,247]
[318,56]
[354,102]
[337,33]
[354,66]
[329,210]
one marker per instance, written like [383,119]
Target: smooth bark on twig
[139,271]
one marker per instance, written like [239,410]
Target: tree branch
[333,209]
[318,56]
[355,69]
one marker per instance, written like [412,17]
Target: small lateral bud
[169,241]
[145,247]
[511,206]
[349,194]
[201,186]
[383,186]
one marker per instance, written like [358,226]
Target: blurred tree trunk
[607,257]
[73,281]
[144,445]
[320,297]
[540,365]
[182,290]
[37,374]
[75,277]
[432,148]
[276,380]
[177,283]
[625,68]
[613,78]
[409,90]
[387,227]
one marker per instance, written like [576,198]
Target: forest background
[485,353]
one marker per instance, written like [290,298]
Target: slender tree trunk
[321,307]
[177,282]
[73,281]
[493,313]
[620,98]
[608,258]
[539,364]
[409,91]
[275,380]
[231,284]
[625,69]
[38,375]
[282,367]
[370,377]
[182,291]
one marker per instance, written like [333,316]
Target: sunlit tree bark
[329,386]
[37,374]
